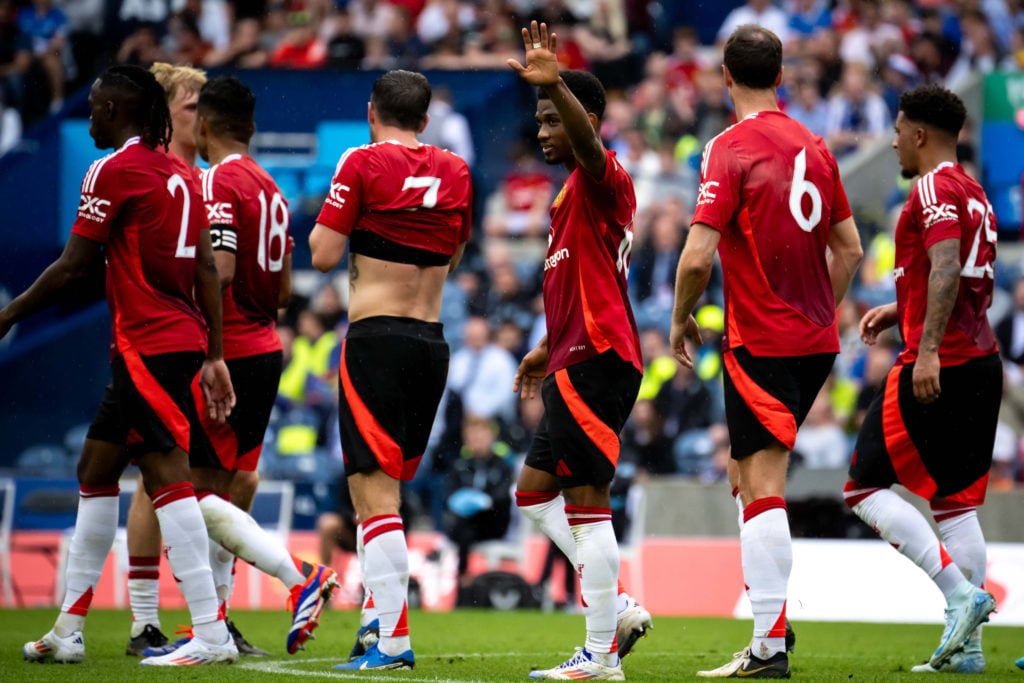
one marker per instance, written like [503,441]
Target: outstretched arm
[73,264]
[541,70]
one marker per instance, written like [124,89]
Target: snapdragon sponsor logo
[554,259]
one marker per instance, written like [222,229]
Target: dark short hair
[140,91]
[229,107]
[585,87]
[935,106]
[401,98]
[753,55]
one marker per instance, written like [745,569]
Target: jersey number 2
[183,250]
[984,217]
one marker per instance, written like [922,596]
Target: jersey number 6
[800,187]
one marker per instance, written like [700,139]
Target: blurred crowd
[846,63]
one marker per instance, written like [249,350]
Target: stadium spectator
[45,28]
[766,355]
[518,208]
[300,47]
[821,442]
[142,47]
[808,107]
[345,49]
[590,356]
[807,19]
[447,128]
[481,372]
[15,54]
[857,116]
[243,50]
[871,39]
[759,13]
[478,490]
[946,383]
[10,126]
[128,205]
[394,358]
[653,268]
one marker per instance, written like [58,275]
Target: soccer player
[146,220]
[181,86]
[588,367]
[249,230]
[932,425]
[772,205]
[402,209]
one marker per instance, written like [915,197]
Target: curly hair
[585,87]
[935,106]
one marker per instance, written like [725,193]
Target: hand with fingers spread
[541,63]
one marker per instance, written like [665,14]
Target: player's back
[149,216]
[413,196]
[772,188]
[249,217]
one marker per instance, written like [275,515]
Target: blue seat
[1002,153]
[1006,202]
[332,138]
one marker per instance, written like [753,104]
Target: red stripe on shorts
[220,434]
[906,460]
[162,404]
[387,451]
[768,410]
[602,436]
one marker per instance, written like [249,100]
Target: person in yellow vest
[307,381]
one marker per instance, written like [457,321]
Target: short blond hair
[173,78]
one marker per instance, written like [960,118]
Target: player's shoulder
[130,157]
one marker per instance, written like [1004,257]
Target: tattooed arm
[943,288]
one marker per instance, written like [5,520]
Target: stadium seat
[46,459]
[332,138]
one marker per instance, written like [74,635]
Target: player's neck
[930,160]
[747,101]
[406,138]
[186,153]
[219,150]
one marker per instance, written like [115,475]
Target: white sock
[95,526]
[221,564]
[240,534]
[739,506]
[767,552]
[188,554]
[546,509]
[144,592]
[369,611]
[597,561]
[387,576]
[964,540]
[906,529]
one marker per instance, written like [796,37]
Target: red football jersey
[772,188]
[418,197]
[585,299]
[136,202]
[947,204]
[248,216]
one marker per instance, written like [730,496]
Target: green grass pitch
[483,645]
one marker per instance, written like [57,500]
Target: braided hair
[146,99]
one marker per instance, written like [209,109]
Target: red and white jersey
[947,204]
[248,216]
[585,298]
[149,216]
[415,197]
[772,189]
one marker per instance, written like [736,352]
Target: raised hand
[541,63]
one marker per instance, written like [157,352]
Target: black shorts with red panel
[767,398]
[148,406]
[391,376]
[941,449]
[236,443]
[585,408]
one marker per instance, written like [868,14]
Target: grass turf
[483,645]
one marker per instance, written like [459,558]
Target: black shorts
[236,444]
[937,450]
[768,397]
[391,377]
[585,408]
[148,406]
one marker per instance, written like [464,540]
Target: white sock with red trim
[964,540]
[546,509]
[387,577]
[144,592]
[906,529]
[767,552]
[369,611]
[597,561]
[221,564]
[188,554]
[95,527]
[241,535]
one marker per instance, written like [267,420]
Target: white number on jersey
[625,250]
[432,183]
[972,268]
[277,216]
[800,187]
[183,250]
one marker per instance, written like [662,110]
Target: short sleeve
[720,180]
[940,208]
[614,191]
[102,195]
[344,198]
